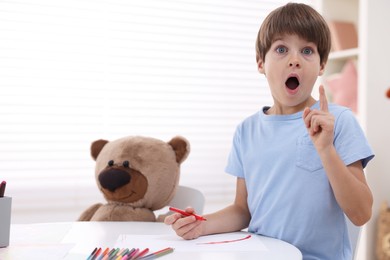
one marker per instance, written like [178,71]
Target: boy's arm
[348,182]
[349,187]
[232,218]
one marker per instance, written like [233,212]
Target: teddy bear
[137,175]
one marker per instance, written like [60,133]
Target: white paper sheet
[237,241]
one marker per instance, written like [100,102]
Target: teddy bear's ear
[96,147]
[181,146]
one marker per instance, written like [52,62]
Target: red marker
[184,213]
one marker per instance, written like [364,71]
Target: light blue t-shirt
[289,195]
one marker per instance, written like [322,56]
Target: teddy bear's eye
[126,164]
[110,163]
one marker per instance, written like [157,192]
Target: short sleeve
[350,140]
[234,164]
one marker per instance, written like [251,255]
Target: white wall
[375,80]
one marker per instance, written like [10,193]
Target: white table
[65,240]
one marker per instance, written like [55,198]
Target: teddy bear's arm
[161,217]
[88,213]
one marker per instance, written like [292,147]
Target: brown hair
[294,18]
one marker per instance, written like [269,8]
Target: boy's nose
[294,64]
[294,60]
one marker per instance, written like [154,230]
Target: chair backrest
[354,235]
[187,196]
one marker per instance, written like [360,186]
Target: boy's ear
[260,66]
[322,69]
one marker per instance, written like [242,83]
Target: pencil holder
[5,220]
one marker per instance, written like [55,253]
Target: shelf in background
[344,54]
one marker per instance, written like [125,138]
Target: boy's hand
[185,227]
[320,123]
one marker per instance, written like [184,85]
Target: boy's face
[291,67]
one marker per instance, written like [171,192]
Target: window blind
[76,71]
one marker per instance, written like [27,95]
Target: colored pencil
[2,188]
[113,254]
[158,253]
[104,253]
[92,253]
[96,253]
[133,254]
[141,254]
[126,254]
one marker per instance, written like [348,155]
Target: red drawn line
[226,241]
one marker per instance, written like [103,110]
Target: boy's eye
[307,50]
[281,49]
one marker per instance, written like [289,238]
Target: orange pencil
[104,253]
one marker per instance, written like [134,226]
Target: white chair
[354,235]
[184,197]
[187,196]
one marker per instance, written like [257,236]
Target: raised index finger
[323,100]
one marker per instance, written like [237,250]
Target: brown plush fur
[137,175]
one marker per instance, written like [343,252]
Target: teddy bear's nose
[114,179]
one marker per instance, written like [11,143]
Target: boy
[299,163]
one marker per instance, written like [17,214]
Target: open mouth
[292,83]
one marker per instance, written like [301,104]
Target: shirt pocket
[307,156]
